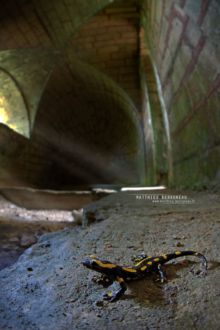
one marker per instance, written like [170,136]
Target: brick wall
[184,43]
[181,40]
[110,42]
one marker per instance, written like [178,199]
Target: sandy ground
[48,288]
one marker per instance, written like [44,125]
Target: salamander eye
[93,263]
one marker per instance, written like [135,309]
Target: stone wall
[183,38]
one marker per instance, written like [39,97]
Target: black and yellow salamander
[143,266]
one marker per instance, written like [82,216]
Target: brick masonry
[76,140]
[184,43]
[110,42]
[40,23]
[182,38]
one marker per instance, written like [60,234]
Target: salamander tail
[178,254]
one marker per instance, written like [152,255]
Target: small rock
[78,216]
[107,246]
[27,240]
[30,269]
[179,244]
[178,237]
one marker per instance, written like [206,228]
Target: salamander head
[92,262]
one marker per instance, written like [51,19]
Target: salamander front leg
[110,296]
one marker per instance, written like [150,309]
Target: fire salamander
[143,266]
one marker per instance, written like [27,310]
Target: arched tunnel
[105,97]
[94,136]
[113,98]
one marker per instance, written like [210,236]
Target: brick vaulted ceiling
[40,23]
[82,110]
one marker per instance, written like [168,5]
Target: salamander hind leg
[204,264]
[162,274]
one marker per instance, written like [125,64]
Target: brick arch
[30,70]
[89,128]
[34,23]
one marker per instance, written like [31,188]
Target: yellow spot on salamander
[150,263]
[144,268]
[105,265]
[142,261]
[178,253]
[157,259]
[131,270]
[164,256]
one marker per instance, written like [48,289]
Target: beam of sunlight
[97,163]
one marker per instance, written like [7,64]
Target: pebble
[27,240]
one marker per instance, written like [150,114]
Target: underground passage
[109,164]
